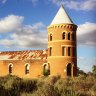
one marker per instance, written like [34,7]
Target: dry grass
[48,86]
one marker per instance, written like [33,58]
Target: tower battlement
[71,27]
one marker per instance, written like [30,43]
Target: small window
[73,37]
[68,36]
[27,66]
[74,51]
[63,35]
[69,51]
[10,68]
[63,51]
[50,37]
[50,51]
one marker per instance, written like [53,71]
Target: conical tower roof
[61,17]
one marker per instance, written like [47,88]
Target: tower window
[63,51]
[50,37]
[68,36]
[63,35]
[73,37]
[69,51]
[74,51]
[50,51]
[10,68]
[27,66]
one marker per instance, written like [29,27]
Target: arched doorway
[69,69]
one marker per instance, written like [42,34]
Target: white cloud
[34,2]
[3,1]
[7,43]
[10,23]
[86,34]
[77,5]
[80,58]
[23,36]
[31,36]
[35,36]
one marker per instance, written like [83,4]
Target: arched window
[68,36]
[74,51]
[69,51]
[27,67]
[50,37]
[50,51]
[10,68]
[63,35]
[46,69]
[73,37]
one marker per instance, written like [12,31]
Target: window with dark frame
[69,51]
[63,51]
[74,51]
[63,35]
[73,37]
[68,36]
[50,37]
[10,69]
[27,69]
[50,51]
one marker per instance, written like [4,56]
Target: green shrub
[28,85]
[48,86]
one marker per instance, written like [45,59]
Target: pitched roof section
[61,17]
[24,55]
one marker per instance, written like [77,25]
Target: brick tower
[62,54]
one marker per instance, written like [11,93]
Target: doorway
[69,68]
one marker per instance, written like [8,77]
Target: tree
[80,72]
[94,69]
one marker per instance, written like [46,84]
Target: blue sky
[22,21]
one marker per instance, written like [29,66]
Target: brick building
[60,59]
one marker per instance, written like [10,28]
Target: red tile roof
[23,55]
